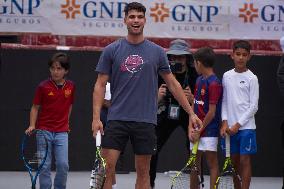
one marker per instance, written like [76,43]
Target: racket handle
[227,145]
[98,138]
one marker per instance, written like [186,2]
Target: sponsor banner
[200,19]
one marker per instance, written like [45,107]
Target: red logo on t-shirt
[132,64]
[67,93]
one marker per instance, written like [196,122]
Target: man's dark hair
[242,44]
[61,58]
[134,6]
[206,56]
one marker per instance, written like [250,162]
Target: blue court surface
[80,180]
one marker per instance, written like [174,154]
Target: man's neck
[135,39]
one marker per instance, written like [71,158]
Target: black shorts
[142,136]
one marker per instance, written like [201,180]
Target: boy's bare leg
[194,181]
[110,156]
[212,162]
[245,165]
[142,165]
[236,163]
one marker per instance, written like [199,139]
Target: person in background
[106,105]
[104,112]
[180,59]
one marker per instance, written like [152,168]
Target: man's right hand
[196,121]
[97,125]
[162,92]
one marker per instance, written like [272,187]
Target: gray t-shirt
[133,71]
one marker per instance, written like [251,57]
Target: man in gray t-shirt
[132,66]
[133,70]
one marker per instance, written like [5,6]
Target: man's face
[135,22]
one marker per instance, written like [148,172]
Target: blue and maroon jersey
[208,91]
[54,104]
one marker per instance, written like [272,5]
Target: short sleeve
[164,62]
[105,61]
[38,96]
[215,92]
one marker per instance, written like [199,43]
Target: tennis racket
[34,150]
[226,178]
[98,174]
[182,179]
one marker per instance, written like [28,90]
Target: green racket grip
[195,147]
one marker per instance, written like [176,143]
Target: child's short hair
[242,44]
[134,6]
[62,58]
[206,56]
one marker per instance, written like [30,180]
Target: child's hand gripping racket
[34,150]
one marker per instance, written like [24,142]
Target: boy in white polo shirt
[239,105]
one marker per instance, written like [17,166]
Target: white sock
[114,186]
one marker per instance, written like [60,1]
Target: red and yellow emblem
[67,93]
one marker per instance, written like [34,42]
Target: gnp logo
[16,7]
[268,13]
[184,13]
[159,12]
[93,9]
[248,13]
[20,12]
[70,9]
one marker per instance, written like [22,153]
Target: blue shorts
[244,142]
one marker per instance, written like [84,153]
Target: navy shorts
[142,136]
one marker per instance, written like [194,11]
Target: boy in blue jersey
[207,106]
[239,105]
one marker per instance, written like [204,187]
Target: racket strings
[226,182]
[35,150]
[182,179]
[99,156]
[99,172]
[97,179]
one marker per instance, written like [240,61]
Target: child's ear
[249,56]
[232,55]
